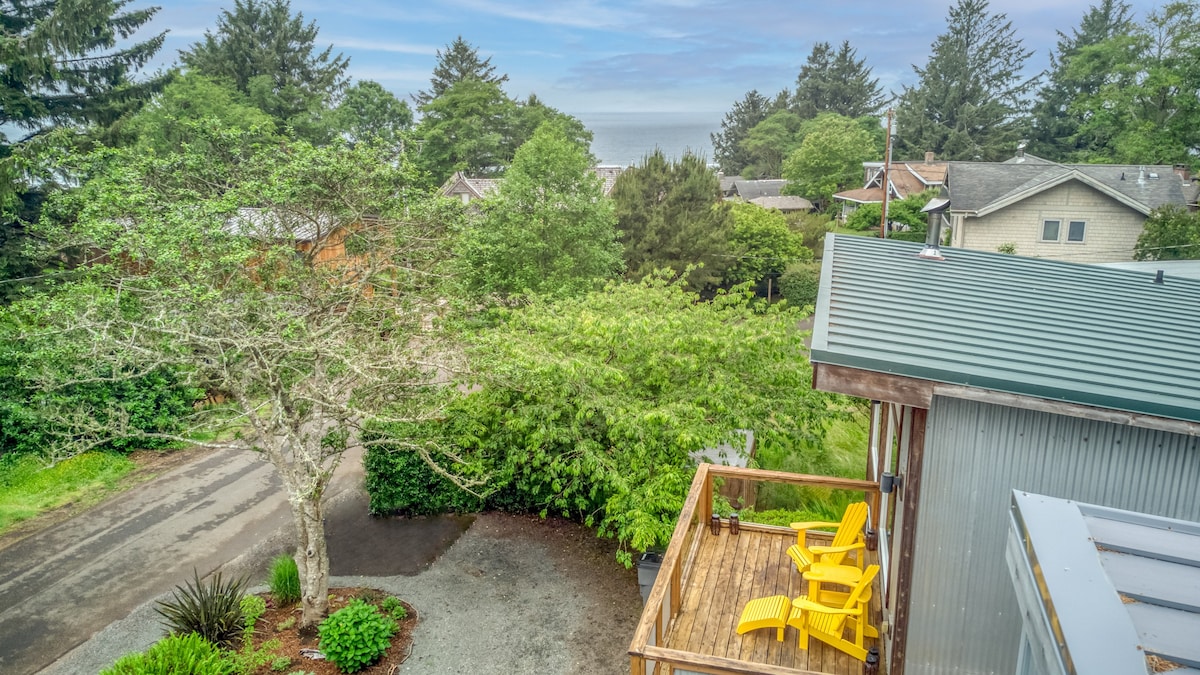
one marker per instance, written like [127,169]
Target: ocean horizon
[624,138]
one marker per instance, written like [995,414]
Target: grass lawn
[28,488]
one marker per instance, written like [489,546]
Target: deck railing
[663,603]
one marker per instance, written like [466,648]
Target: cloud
[571,13]
[382,46]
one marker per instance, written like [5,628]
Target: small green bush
[280,663]
[253,607]
[800,283]
[354,636]
[285,580]
[392,606]
[212,609]
[187,654]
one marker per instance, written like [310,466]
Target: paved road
[63,584]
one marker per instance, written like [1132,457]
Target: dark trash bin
[647,568]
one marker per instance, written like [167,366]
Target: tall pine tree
[459,62]
[1056,126]
[267,53]
[836,82]
[971,96]
[728,152]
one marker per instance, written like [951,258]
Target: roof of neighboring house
[275,224]
[979,188]
[905,178]
[749,189]
[783,203]
[479,188]
[608,174]
[1114,586]
[1061,331]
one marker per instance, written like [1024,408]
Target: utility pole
[887,163]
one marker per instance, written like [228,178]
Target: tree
[459,62]
[548,229]
[836,83]
[268,54]
[368,112]
[829,158]
[61,66]
[589,407]
[766,243]
[769,142]
[970,99]
[1056,127]
[670,216]
[728,152]
[532,113]
[168,121]
[1170,233]
[315,317]
[1147,110]
[467,128]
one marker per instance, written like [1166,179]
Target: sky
[631,55]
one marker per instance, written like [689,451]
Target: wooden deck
[690,620]
[726,572]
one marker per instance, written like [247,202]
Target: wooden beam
[717,665]
[872,385]
[793,478]
[908,539]
[1069,409]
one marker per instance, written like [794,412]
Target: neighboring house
[748,190]
[784,203]
[903,178]
[1075,212]
[990,373]
[467,189]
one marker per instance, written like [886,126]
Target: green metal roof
[1064,331]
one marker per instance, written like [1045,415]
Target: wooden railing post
[706,496]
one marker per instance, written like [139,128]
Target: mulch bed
[280,623]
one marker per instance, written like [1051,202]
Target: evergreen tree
[1055,133]
[459,62]
[727,143]
[548,229]
[61,65]
[268,54]
[769,142]
[466,128]
[836,82]
[971,95]
[670,216]
[1146,111]
[368,112]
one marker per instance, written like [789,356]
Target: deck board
[729,571]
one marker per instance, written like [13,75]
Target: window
[1075,230]
[1050,230]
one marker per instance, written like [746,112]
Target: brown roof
[861,195]
[905,178]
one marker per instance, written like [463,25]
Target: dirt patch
[278,624]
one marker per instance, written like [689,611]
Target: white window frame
[1057,233]
[1082,232]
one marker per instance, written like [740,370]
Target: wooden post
[887,160]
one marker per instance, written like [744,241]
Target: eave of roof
[1081,334]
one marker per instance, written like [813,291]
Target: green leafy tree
[459,62]
[905,211]
[168,121]
[269,54]
[314,316]
[1147,109]
[1056,126]
[370,113]
[769,142]
[766,244]
[670,216]
[1170,233]
[589,406]
[836,82]
[532,113]
[829,158]
[971,98]
[467,128]
[548,229]
[728,152]
[65,62]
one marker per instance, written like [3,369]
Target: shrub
[401,482]
[284,580]
[253,607]
[354,636]
[212,609]
[280,663]
[392,606]
[187,654]
[800,283]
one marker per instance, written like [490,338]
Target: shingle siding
[1110,234]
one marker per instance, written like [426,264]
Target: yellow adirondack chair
[829,624]
[849,537]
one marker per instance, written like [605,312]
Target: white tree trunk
[312,559]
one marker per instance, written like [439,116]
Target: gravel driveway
[512,595]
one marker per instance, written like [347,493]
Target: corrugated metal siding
[964,618]
[1062,331]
